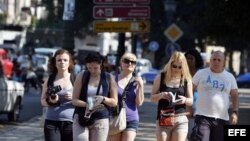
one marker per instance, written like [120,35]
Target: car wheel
[15,113]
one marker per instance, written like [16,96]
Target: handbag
[117,121]
[83,121]
[167,117]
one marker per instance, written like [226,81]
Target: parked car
[148,77]
[11,93]
[145,70]
[143,65]
[243,80]
[46,51]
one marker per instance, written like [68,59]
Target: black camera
[53,90]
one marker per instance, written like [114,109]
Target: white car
[45,51]
[11,93]
[143,65]
[145,70]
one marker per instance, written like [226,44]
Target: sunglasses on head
[127,61]
[175,66]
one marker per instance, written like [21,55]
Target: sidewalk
[28,131]
[32,131]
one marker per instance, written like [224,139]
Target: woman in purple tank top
[134,97]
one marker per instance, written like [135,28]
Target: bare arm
[155,94]
[189,97]
[139,91]
[113,99]
[43,96]
[234,99]
[77,90]
[235,106]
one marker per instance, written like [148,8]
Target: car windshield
[41,61]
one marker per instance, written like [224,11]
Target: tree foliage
[222,22]
[218,22]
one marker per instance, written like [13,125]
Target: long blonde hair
[180,57]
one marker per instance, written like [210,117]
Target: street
[29,129]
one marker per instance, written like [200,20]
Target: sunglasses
[127,61]
[175,66]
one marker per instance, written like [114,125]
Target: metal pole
[134,42]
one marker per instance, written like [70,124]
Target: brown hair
[52,62]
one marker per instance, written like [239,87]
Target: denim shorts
[132,125]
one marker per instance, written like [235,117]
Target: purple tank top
[131,108]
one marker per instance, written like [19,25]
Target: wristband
[236,112]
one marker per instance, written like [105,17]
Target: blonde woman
[134,97]
[173,79]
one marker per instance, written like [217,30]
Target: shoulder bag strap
[50,82]
[72,78]
[98,88]
[124,94]
[185,87]
[84,88]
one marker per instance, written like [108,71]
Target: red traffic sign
[101,12]
[121,1]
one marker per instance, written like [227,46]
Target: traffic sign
[172,47]
[102,12]
[173,32]
[122,26]
[153,46]
[121,1]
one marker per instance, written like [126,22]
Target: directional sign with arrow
[121,1]
[102,12]
[122,26]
